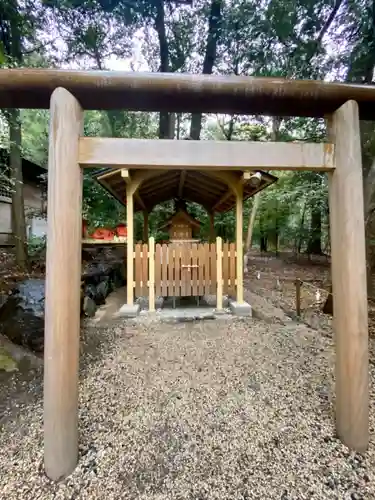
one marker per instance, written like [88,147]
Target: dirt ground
[225,409]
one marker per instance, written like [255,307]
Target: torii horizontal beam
[184,93]
[210,155]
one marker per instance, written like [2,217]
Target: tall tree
[17,29]
[213,35]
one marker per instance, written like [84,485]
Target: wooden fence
[181,270]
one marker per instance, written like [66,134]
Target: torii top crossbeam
[32,88]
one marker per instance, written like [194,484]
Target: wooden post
[63,279]
[239,244]
[219,273]
[349,279]
[130,244]
[151,271]
[298,297]
[145,226]
[212,226]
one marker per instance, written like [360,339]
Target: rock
[7,363]
[22,315]
[20,355]
[89,307]
[102,290]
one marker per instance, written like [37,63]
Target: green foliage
[274,38]
[36,245]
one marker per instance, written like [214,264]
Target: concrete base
[127,311]
[237,309]
[211,300]
[144,305]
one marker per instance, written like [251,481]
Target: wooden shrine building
[216,174]
[181,226]
[182,272]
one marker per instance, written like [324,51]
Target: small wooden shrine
[181,226]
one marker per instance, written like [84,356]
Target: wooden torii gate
[68,151]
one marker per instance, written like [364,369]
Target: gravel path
[199,411]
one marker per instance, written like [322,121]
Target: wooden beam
[239,246]
[151,274]
[125,174]
[130,245]
[349,280]
[181,183]
[246,176]
[210,155]
[225,196]
[63,280]
[219,273]
[109,173]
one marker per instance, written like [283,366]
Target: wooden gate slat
[171,268]
[144,270]
[185,272]
[212,277]
[177,271]
[164,271]
[158,252]
[170,271]
[194,270]
[225,267]
[200,269]
[206,275]
[138,270]
[232,268]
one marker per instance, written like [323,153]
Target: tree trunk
[300,239]
[214,24]
[315,242]
[18,209]
[263,243]
[250,228]
[164,117]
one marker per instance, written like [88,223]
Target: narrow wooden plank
[144,270]
[196,155]
[232,269]
[177,260]
[151,275]
[158,252]
[206,274]
[63,278]
[164,271]
[239,245]
[194,269]
[213,264]
[349,280]
[170,273]
[225,267]
[138,270]
[201,260]
[130,245]
[219,260]
[186,271]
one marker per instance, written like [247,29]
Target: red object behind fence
[122,230]
[102,233]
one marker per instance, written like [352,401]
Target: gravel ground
[237,409]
